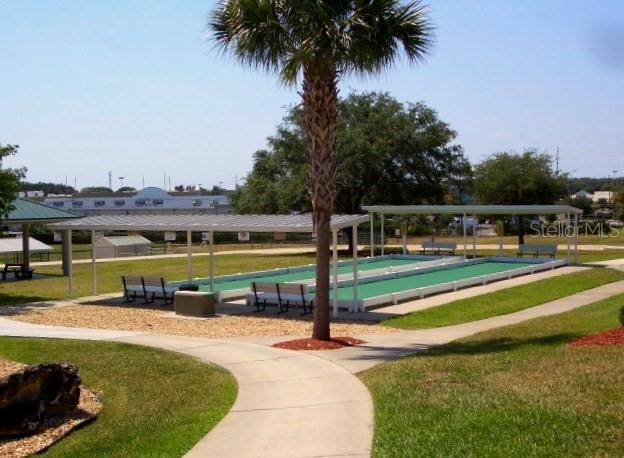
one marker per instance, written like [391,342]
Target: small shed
[124,245]
[12,248]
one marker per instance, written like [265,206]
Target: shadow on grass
[379,353]
[499,345]
[8,300]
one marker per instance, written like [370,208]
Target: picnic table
[20,271]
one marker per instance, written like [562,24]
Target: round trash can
[188,287]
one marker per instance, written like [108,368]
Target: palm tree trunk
[320,97]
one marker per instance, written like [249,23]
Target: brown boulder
[27,397]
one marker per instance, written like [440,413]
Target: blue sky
[134,88]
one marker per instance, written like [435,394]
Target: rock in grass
[29,396]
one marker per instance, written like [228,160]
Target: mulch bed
[611,337]
[316,344]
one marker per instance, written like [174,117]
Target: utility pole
[557,161]
[110,179]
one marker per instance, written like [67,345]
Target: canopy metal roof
[28,211]
[123,240]
[206,223]
[473,209]
[15,245]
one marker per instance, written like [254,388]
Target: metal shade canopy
[206,223]
[473,209]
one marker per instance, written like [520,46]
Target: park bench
[282,294]
[537,249]
[438,248]
[149,288]
[20,271]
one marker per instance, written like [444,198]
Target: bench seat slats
[148,288]
[282,294]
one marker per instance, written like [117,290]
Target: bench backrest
[292,288]
[443,245]
[131,280]
[538,247]
[264,287]
[153,281]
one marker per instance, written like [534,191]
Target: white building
[595,197]
[148,201]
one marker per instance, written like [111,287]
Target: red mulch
[611,337]
[316,344]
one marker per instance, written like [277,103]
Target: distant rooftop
[28,211]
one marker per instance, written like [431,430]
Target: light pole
[612,193]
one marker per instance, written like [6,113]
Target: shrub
[622,315]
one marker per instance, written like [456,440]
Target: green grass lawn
[507,300]
[156,403]
[516,391]
[109,274]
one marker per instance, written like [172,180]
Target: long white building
[148,201]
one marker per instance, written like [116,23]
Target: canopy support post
[26,245]
[465,236]
[67,261]
[66,256]
[355,307]
[576,219]
[335,272]
[383,239]
[372,235]
[567,234]
[189,256]
[211,260]
[474,237]
[93,263]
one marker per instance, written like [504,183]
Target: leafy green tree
[127,189]
[582,203]
[385,153]
[9,180]
[319,41]
[508,178]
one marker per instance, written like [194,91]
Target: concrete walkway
[289,404]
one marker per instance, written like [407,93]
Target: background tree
[320,41]
[90,189]
[9,180]
[385,153]
[47,188]
[518,179]
[127,189]
[582,203]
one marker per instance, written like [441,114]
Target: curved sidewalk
[289,404]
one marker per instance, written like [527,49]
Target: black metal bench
[149,288]
[438,248]
[282,294]
[537,249]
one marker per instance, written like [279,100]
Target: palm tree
[320,41]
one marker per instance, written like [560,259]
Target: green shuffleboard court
[304,275]
[420,280]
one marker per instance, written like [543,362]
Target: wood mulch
[54,428]
[315,344]
[610,337]
[158,319]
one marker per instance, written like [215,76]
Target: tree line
[392,153]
